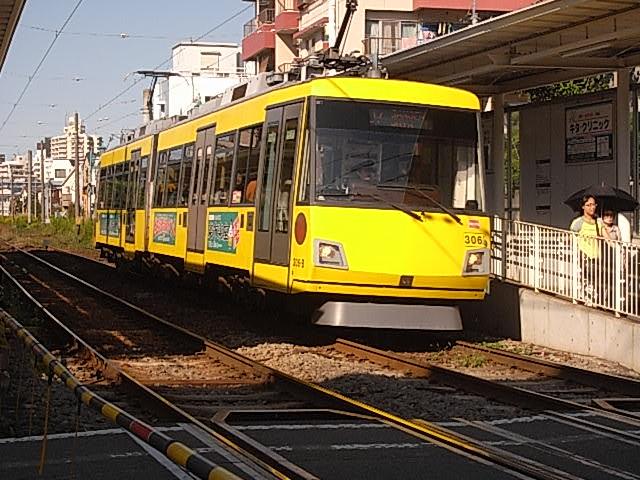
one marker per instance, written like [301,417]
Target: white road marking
[174,469]
[331,426]
[214,446]
[90,433]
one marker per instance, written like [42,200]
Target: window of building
[225,147]
[60,173]
[386,36]
[209,60]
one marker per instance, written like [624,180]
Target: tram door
[275,190]
[198,190]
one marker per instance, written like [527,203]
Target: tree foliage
[595,83]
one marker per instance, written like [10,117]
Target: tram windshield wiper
[423,195]
[387,202]
[352,195]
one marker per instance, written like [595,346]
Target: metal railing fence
[287,5]
[594,271]
[266,16]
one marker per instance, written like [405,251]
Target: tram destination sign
[589,133]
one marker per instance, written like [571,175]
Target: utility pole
[43,201]
[13,217]
[29,179]
[474,13]
[77,168]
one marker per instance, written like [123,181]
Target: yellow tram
[362,198]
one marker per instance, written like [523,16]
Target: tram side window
[127,179]
[117,186]
[286,175]
[305,179]
[225,146]
[158,197]
[267,178]
[142,182]
[133,179]
[108,191]
[124,173]
[102,185]
[185,176]
[115,178]
[173,175]
[248,157]
[206,171]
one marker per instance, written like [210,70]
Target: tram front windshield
[421,157]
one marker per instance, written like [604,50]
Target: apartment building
[199,72]
[285,30]
[64,146]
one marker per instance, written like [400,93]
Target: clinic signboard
[589,133]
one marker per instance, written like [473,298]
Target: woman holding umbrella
[589,227]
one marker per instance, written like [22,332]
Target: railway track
[602,413]
[320,397]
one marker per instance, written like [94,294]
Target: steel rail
[615,383]
[176,451]
[510,394]
[426,431]
[283,470]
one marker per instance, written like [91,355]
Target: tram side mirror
[471,205]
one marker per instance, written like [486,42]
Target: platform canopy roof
[544,43]
[10,11]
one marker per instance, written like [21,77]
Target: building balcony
[481,5]
[259,34]
[287,16]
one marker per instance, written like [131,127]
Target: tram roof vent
[155,126]
[206,107]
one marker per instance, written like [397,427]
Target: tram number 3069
[474,239]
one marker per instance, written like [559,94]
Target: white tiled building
[199,72]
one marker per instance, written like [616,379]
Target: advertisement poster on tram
[224,231]
[104,224]
[164,228]
[110,224]
[589,133]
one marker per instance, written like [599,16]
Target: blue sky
[86,68]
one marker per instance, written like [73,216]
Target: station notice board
[589,133]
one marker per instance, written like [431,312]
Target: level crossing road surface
[111,454]
[339,445]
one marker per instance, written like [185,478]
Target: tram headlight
[329,254]
[476,262]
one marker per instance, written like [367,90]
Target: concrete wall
[545,320]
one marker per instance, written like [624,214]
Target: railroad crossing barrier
[175,451]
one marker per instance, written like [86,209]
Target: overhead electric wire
[44,57]
[122,35]
[113,99]
[130,114]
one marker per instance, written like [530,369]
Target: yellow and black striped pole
[175,451]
